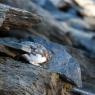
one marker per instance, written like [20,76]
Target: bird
[38,55]
[35,59]
[33,52]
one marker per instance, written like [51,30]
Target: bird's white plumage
[35,59]
[37,55]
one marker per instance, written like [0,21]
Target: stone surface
[17,78]
[60,61]
[16,18]
[72,30]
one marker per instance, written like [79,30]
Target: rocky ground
[47,47]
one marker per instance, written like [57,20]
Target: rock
[87,64]
[85,40]
[57,14]
[16,18]
[17,78]
[64,64]
[87,7]
[60,61]
[58,3]
[33,52]
[44,4]
[52,31]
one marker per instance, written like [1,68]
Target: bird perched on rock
[33,52]
[38,54]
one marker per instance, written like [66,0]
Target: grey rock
[60,62]
[34,53]
[17,78]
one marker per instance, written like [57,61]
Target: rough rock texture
[60,61]
[53,29]
[15,18]
[67,27]
[17,78]
[87,64]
